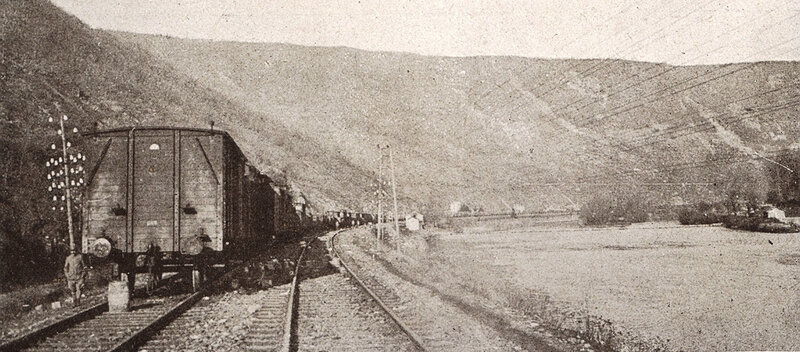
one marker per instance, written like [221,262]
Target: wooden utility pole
[67,185]
[380,193]
[394,195]
[68,166]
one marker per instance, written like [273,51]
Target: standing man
[153,263]
[75,271]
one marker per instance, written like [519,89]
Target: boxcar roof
[154,128]
[112,131]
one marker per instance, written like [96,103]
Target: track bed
[335,314]
[108,329]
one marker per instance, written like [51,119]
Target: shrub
[614,208]
[701,213]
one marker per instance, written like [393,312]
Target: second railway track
[334,313]
[108,331]
[325,310]
[97,329]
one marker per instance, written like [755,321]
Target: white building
[412,224]
[455,207]
[775,213]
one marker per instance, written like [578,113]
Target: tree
[618,204]
[784,184]
[743,184]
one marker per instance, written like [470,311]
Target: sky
[683,32]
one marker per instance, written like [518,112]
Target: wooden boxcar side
[260,210]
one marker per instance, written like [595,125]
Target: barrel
[118,296]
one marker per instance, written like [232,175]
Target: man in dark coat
[153,263]
[75,271]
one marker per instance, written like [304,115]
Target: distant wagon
[188,192]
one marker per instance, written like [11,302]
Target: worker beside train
[154,270]
[75,272]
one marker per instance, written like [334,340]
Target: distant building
[771,212]
[412,224]
[455,207]
[414,221]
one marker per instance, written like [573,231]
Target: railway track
[115,331]
[335,313]
[173,336]
[56,321]
[425,332]
[97,329]
[272,323]
[270,317]
[320,309]
[324,310]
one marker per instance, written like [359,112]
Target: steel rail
[51,329]
[290,321]
[416,339]
[128,344]
[62,324]
[145,333]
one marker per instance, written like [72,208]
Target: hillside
[52,64]
[487,131]
[492,131]
[51,58]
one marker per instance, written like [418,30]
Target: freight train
[345,218]
[190,194]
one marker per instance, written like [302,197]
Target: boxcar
[189,193]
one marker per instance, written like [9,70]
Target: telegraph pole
[394,195]
[380,192]
[66,179]
[65,165]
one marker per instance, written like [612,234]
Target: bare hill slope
[492,131]
[488,131]
[52,64]
[52,58]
